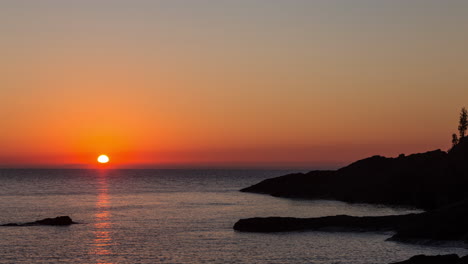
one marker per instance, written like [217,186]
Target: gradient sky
[262,83]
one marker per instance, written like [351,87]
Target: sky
[258,83]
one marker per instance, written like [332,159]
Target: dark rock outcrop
[444,224]
[342,223]
[439,259]
[447,223]
[427,180]
[57,221]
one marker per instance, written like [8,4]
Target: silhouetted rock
[57,221]
[60,220]
[11,224]
[342,223]
[447,223]
[442,225]
[426,180]
[439,259]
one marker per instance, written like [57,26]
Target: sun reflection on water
[102,226]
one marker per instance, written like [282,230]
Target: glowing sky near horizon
[228,83]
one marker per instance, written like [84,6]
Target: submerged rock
[57,221]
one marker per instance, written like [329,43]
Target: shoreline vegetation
[435,181]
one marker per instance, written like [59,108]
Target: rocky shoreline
[435,181]
[445,224]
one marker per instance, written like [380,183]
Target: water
[174,216]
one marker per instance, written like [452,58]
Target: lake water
[174,216]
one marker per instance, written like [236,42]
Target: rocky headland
[426,180]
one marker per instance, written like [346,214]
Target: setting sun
[103,159]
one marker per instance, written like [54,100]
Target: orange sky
[309,84]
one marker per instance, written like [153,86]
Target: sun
[103,159]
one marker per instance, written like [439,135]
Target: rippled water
[174,216]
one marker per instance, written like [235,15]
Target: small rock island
[57,221]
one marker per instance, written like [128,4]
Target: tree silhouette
[454,140]
[463,124]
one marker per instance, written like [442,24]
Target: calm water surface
[174,216]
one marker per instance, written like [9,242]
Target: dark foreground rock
[427,180]
[441,225]
[57,221]
[439,259]
[342,223]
